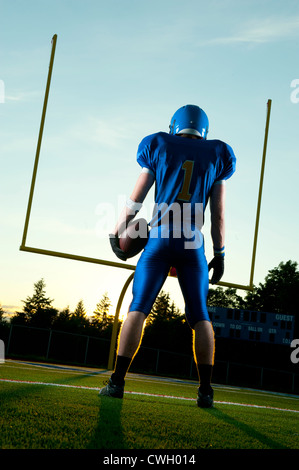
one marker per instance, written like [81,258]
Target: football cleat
[112,390]
[205,400]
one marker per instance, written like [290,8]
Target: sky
[121,70]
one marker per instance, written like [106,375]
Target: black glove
[114,242]
[217,264]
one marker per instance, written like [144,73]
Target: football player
[188,171]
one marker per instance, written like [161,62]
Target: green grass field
[68,413]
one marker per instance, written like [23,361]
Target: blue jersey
[185,169]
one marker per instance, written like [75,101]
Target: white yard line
[141,378]
[26,382]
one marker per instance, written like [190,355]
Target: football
[134,238]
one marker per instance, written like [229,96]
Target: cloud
[265,31]
[111,133]
[10,310]
[55,226]
[23,96]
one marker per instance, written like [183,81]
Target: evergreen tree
[166,327]
[80,312]
[2,313]
[163,309]
[79,318]
[38,309]
[226,298]
[38,300]
[62,321]
[101,318]
[279,292]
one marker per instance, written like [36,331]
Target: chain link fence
[59,346]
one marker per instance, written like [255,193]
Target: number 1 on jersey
[184,194]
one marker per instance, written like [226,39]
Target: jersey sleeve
[228,166]
[144,155]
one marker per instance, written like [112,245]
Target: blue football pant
[159,255]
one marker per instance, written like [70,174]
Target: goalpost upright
[269,103]
[39,141]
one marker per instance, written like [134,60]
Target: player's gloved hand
[217,264]
[114,242]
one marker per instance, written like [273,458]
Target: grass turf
[46,417]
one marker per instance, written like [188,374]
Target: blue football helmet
[190,119]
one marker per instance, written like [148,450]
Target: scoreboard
[263,327]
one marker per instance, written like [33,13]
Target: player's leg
[203,342]
[194,282]
[150,274]
[131,334]
[204,350]
[129,341]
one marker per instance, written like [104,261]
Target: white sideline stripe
[152,379]
[221,402]
[145,394]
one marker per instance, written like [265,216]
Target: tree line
[166,324]
[38,311]
[277,294]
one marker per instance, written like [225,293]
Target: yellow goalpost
[130,267]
